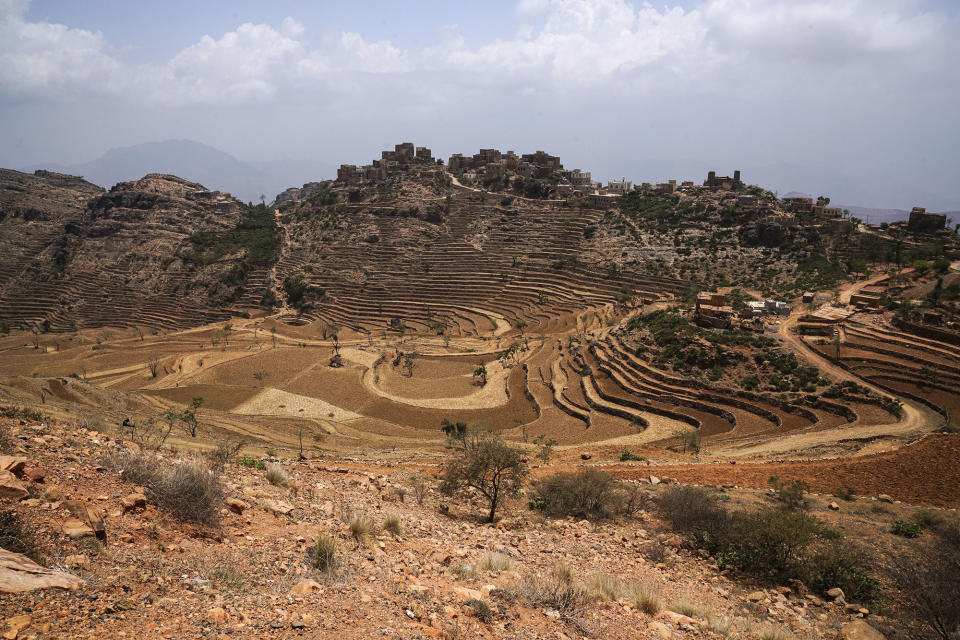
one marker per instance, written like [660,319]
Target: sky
[855,99]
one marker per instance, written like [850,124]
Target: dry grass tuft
[393,524]
[603,587]
[776,633]
[188,489]
[362,527]
[646,598]
[557,590]
[276,475]
[324,553]
[493,561]
[690,609]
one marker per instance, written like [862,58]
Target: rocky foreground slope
[420,566]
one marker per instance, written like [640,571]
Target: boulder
[836,593]
[11,488]
[133,502]
[13,464]
[217,615]
[834,506]
[278,507]
[654,480]
[17,624]
[19,573]
[860,630]
[77,562]
[77,528]
[36,474]
[236,505]
[89,516]
[305,586]
[756,596]
[468,594]
[660,630]
[885,498]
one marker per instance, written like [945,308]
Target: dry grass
[493,561]
[603,587]
[557,590]
[324,553]
[646,598]
[776,633]
[188,489]
[276,475]
[362,527]
[393,524]
[690,609]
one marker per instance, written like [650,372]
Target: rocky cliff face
[74,255]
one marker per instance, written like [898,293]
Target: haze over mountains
[884,199]
[197,162]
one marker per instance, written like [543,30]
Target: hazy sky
[857,99]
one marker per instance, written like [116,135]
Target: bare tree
[154,366]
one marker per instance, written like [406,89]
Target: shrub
[493,561]
[481,610]
[419,487]
[789,496]
[19,537]
[928,518]
[324,554]
[776,633]
[907,529]
[189,489]
[362,527]
[276,475]
[393,524]
[587,493]
[844,493]
[836,566]
[6,440]
[224,452]
[250,463]
[769,541]
[25,413]
[932,582]
[691,510]
[626,456]
[489,465]
[555,590]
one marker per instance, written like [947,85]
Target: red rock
[133,502]
[11,488]
[13,464]
[236,505]
[19,573]
[36,474]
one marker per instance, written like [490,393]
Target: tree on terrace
[490,466]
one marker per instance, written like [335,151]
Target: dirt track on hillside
[924,473]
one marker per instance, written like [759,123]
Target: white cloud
[41,57]
[243,64]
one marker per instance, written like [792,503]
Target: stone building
[920,220]
[723,182]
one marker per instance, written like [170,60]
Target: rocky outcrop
[19,573]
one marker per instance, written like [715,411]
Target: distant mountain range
[194,161]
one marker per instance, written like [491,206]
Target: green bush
[250,463]
[587,493]
[907,529]
[692,510]
[835,566]
[626,456]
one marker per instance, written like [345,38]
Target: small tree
[489,465]
[154,366]
[260,376]
[480,373]
[545,447]
[189,416]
